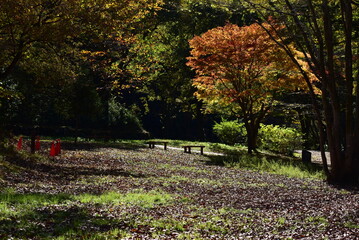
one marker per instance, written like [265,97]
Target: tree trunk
[252,135]
[346,174]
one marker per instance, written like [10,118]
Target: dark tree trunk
[252,136]
[252,127]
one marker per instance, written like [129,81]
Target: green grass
[290,168]
[138,198]
[351,225]
[14,204]
[66,214]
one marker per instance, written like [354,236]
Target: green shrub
[230,132]
[279,139]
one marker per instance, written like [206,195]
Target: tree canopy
[27,22]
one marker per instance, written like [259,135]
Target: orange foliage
[241,65]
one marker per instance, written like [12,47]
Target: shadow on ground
[49,222]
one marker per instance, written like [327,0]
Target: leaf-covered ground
[97,192]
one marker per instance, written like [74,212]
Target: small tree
[240,69]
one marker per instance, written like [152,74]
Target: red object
[53,150]
[58,146]
[37,144]
[19,144]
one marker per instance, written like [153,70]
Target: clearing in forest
[100,192]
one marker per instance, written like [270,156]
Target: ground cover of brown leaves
[204,200]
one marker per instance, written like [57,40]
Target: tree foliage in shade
[240,69]
[27,22]
[45,38]
[326,32]
[158,64]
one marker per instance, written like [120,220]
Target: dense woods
[171,69]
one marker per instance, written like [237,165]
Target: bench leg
[201,150]
[187,149]
[165,146]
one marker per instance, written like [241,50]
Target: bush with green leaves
[230,132]
[279,139]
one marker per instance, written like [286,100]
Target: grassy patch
[351,225]
[207,181]
[112,234]
[14,204]
[139,198]
[277,166]
[319,221]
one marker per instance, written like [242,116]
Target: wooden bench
[187,149]
[152,144]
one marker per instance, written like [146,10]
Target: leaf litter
[207,201]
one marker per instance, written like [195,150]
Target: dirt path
[316,156]
[197,151]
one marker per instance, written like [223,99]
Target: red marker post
[58,146]
[37,144]
[52,149]
[19,144]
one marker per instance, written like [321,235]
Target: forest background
[133,81]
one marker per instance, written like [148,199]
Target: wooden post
[306,156]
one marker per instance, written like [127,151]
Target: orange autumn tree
[239,70]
